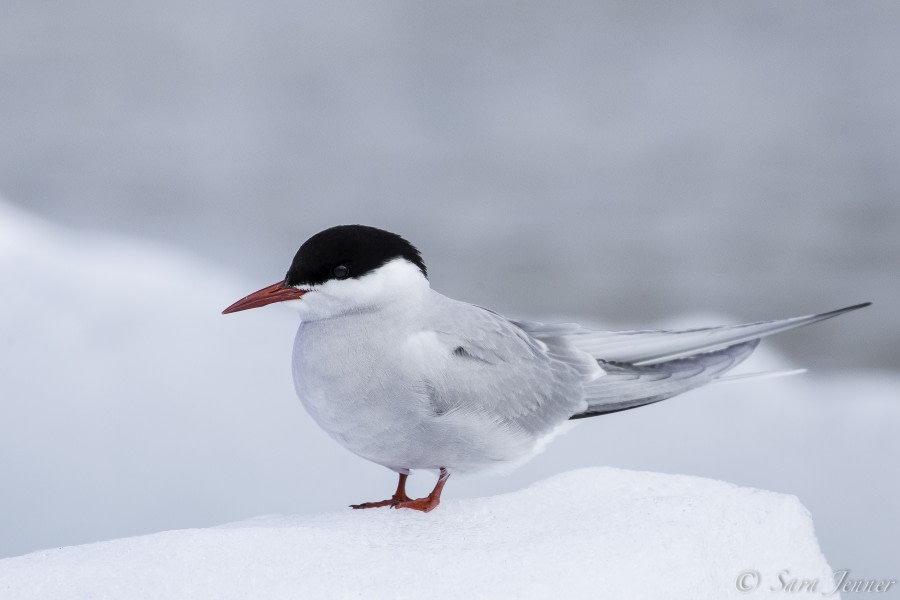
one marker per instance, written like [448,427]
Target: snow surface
[592,533]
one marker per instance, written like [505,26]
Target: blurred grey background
[607,162]
[612,160]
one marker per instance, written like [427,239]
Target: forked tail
[643,367]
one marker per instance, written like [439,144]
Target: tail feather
[643,367]
[651,347]
[759,375]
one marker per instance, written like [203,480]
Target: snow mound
[591,533]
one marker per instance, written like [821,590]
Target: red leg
[429,502]
[398,497]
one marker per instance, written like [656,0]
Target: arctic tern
[411,379]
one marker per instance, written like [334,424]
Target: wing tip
[840,311]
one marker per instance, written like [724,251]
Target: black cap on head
[348,251]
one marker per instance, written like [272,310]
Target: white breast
[358,380]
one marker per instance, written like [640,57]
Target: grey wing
[651,347]
[643,367]
[629,386]
[502,374]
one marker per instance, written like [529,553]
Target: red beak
[277,292]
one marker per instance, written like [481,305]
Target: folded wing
[643,367]
[650,347]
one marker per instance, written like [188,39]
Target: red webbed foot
[398,497]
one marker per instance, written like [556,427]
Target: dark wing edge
[626,386]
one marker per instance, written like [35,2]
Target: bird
[411,379]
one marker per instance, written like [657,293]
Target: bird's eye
[341,271]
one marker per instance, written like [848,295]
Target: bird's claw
[426,504]
[393,502]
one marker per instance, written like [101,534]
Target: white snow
[592,533]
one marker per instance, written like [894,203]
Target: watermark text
[786,582]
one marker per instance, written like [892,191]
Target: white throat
[396,285]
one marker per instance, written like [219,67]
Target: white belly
[370,397]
